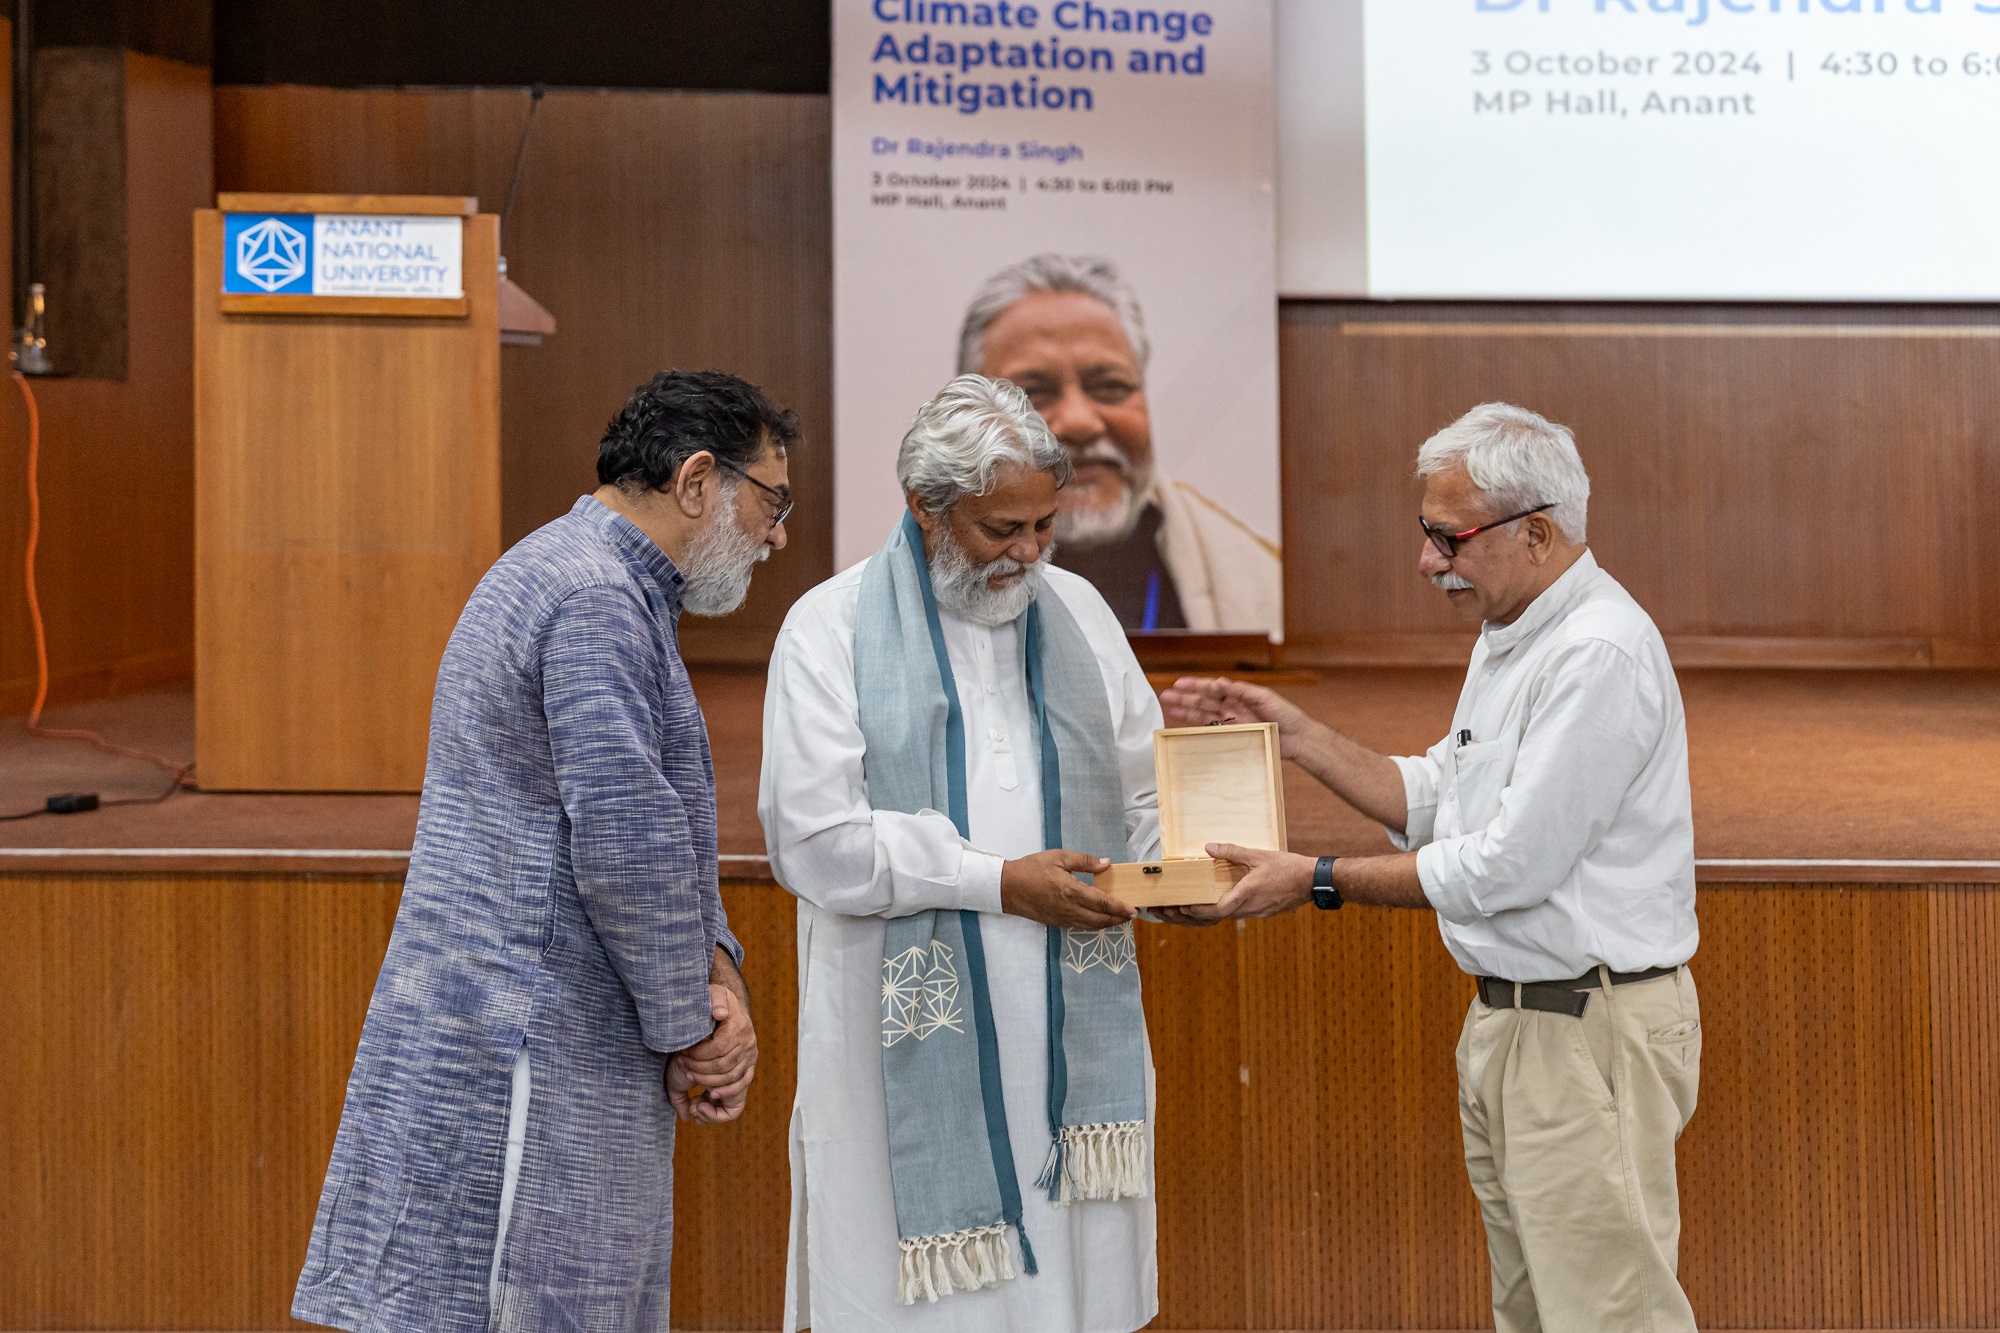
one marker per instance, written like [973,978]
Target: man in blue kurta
[561,981]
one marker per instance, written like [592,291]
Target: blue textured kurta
[562,895]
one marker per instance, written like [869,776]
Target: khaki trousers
[1569,1129]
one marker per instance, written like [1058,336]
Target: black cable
[179,783]
[520,159]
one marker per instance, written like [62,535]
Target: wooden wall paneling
[1767,492]
[1965,1066]
[1798,487]
[1761,1206]
[678,229]
[29,1096]
[117,461]
[661,229]
[732,1183]
[1286,1223]
[1358,1211]
[1969,450]
[1807,1187]
[1192,983]
[349,502]
[1441,1242]
[299,140]
[1340,423]
[1895,1113]
[408,205]
[179,1046]
[178,1049]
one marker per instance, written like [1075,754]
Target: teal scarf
[951,1158]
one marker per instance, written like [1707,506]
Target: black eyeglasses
[783,498]
[1447,542]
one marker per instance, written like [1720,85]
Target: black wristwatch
[1325,896]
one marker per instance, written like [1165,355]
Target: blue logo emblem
[267,253]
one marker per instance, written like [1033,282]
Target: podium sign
[343,254]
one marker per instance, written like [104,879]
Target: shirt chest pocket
[1480,772]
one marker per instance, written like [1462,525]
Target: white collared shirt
[1560,834]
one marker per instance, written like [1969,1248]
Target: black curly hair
[678,414]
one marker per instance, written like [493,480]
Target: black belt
[1559,997]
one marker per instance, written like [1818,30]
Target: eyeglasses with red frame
[1447,542]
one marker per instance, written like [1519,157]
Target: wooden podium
[347,494]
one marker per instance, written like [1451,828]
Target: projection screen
[1729,150]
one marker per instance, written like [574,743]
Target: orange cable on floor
[35,728]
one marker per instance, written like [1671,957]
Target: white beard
[719,563]
[962,587]
[1103,525]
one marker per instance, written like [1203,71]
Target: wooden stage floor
[1796,775]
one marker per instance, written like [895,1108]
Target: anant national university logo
[268,253]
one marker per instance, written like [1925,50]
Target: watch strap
[1325,896]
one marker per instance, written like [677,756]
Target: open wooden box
[1217,784]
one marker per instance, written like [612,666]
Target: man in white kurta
[852,867]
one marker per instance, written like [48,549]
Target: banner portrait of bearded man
[1070,332]
[955,730]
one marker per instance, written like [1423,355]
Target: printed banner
[1078,198]
[333,254]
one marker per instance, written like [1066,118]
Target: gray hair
[961,437]
[1519,458]
[1095,277]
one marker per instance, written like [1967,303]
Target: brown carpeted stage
[188,979]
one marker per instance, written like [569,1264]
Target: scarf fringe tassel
[1088,1162]
[934,1266]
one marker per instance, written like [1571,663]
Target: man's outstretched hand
[1200,701]
[1370,782]
[1278,882]
[710,1080]
[1044,888]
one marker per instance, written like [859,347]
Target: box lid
[1219,784]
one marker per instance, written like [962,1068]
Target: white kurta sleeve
[827,844]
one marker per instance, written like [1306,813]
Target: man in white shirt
[981,474]
[1551,832]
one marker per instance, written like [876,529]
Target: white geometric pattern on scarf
[920,994]
[1113,950]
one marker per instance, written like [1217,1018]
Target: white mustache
[1101,451]
[1450,582]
